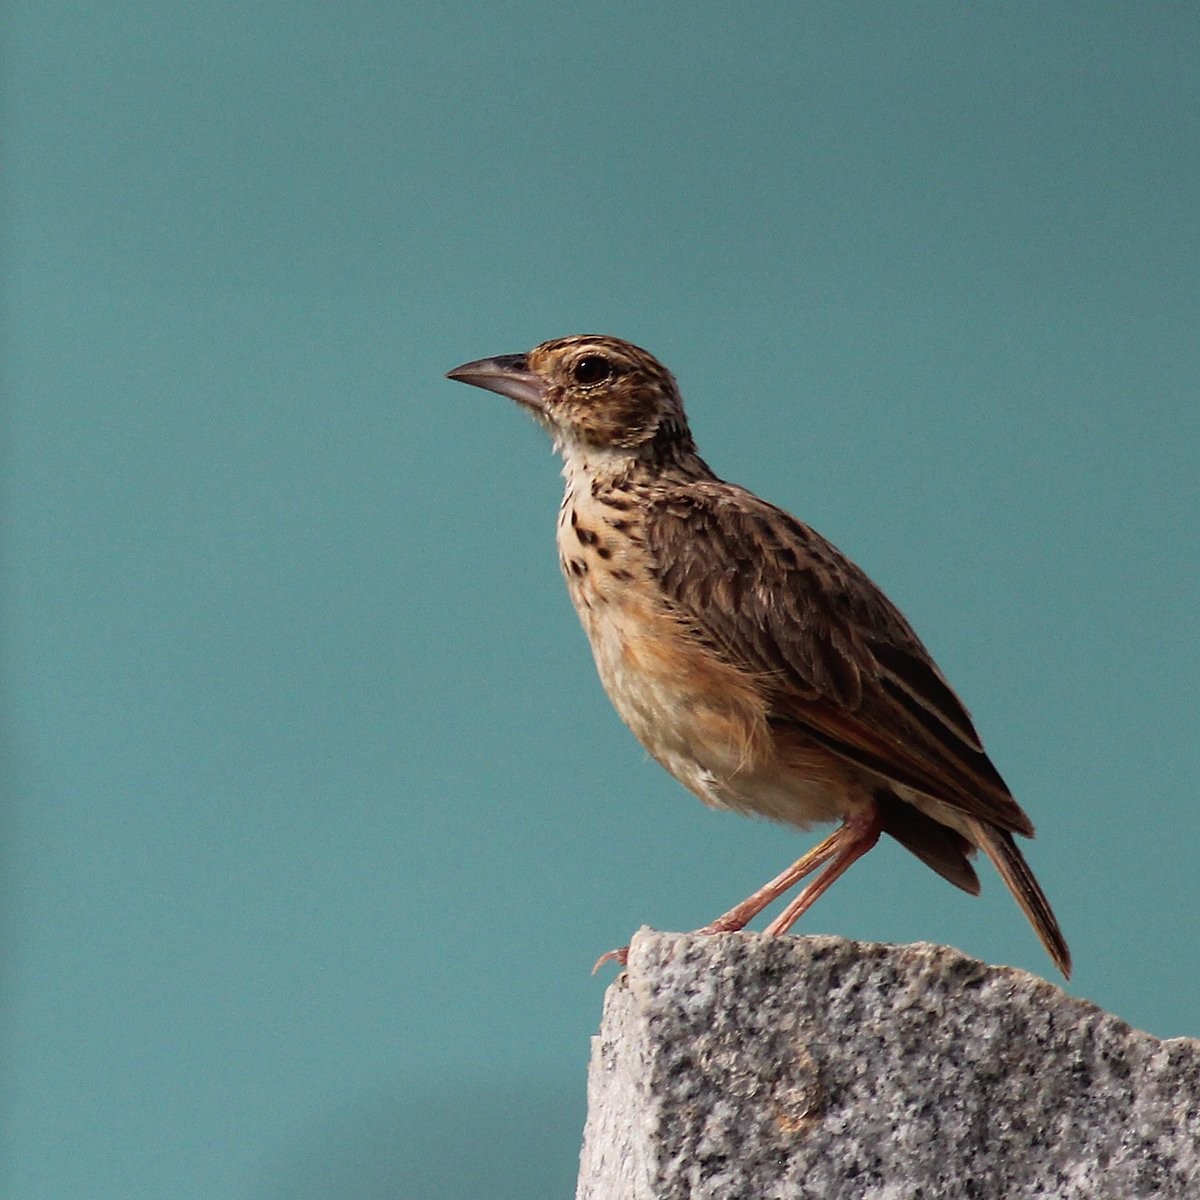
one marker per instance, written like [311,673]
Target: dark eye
[592,369]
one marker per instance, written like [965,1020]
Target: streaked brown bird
[751,658]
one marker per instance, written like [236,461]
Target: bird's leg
[738,916]
[741,914]
[856,835]
[852,839]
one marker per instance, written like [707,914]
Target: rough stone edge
[624,1157]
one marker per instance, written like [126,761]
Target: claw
[618,956]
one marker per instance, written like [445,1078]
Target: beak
[507,374]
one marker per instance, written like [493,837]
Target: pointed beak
[507,374]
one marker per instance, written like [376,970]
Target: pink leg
[738,916]
[846,845]
[857,835]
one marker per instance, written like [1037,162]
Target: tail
[999,846]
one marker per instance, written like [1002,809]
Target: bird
[751,658]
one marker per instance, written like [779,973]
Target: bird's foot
[620,956]
[731,922]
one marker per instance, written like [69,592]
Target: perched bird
[752,659]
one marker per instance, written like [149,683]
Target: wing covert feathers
[836,657]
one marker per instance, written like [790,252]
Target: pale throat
[584,464]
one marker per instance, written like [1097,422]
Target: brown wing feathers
[848,670]
[792,609]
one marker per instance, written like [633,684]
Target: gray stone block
[741,1067]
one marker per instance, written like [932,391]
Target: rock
[742,1067]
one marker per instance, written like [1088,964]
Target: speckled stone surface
[740,1067]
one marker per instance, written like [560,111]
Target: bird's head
[592,393]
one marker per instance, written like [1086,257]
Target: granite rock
[742,1067]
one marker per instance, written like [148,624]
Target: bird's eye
[592,369]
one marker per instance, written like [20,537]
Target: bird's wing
[770,595]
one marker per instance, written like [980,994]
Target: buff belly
[705,722]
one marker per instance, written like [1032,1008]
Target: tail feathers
[999,846]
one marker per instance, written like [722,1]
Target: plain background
[315,816]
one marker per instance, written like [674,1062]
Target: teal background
[315,815]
